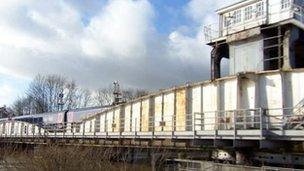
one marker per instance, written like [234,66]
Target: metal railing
[217,30]
[298,12]
[229,120]
[285,118]
[172,125]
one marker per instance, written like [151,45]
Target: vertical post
[225,120]
[140,116]
[215,63]
[64,128]
[94,127]
[245,120]
[234,124]
[279,47]
[162,110]
[193,125]
[174,112]
[106,127]
[83,128]
[130,119]
[172,127]
[261,123]
[267,121]
[153,161]
[240,157]
[72,129]
[135,127]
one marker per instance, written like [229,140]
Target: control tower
[257,35]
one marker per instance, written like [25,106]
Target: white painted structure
[246,105]
[249,14]
[234,102]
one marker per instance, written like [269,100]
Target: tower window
[237,16]
[227,21]
[248,13]
[285,4]
[260,9]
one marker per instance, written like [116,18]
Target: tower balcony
[250,14]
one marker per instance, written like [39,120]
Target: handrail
[241,119]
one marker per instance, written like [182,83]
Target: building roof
[235,6]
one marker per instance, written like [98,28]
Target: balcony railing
[214,32]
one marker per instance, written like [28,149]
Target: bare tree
[43,93]
[18,107]
[23,106]
[70,98]
[84,98]
[5,112]
[104,96]
[130,94]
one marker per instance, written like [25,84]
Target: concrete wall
[170,108]
[136,109]
[145,116]
[128,118]
[246,56]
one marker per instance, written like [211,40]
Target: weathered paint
[268,90]
[197,106]
[294,81]
[210,105]
[109,121]
[271,91]
[168,111]
[246,56]
[228,101]
[87,126]
[247,93]
[158,113]
[181,110]
[102,123]
[127,119]
[116,123]
[136,116]
[228,98]
[145,116]
[271,96]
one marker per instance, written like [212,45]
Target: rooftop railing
[216,31]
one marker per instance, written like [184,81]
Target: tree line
[43,95]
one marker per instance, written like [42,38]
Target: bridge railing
[229,120]
[285,118]
[170,125]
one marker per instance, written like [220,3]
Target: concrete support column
[290,37]
[240,158]
[153,161]
[215,63]
[286,50]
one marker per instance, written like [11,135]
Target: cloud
[120,29]
[10,88]
[6,94]
[200,10]
[98,42]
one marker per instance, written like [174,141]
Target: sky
[147,44]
